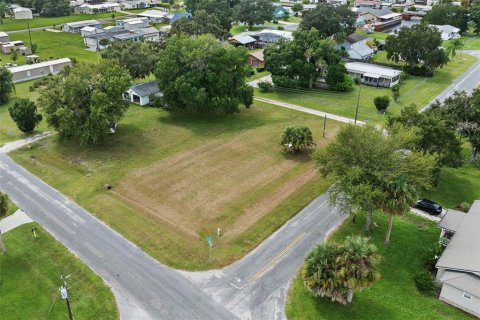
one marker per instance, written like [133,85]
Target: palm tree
[337,270]
[454,46]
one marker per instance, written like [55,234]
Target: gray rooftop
[243,39]
[467,282]
[355,37]
[145,89]
[376,12]
[83,23]
[452,220]
[463,251]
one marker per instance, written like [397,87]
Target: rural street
[252,288]
[467,81]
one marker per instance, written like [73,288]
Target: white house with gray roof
[459,265]
[79,25]
[372,74]
[140,93]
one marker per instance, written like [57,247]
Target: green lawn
[164,198]
[30,278]
[53,45]
[471,42]
[416,90]
[38,22]
[394,296]
[8,129]
[373,35]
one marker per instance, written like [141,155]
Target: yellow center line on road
[277,257]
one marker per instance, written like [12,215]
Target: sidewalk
[13,221]
[10,146]
[310,111]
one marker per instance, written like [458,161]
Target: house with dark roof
[356,47]
[458,269]
[140,93]
[379,19]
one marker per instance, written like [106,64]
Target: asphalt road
[143,288]
[467,82]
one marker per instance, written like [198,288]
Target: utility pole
[64,293]
[29,35]
[358,102]
[324,125]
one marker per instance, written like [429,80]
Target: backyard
[188,177]
[38,22]
[30,278]
[394,296]
[418,90]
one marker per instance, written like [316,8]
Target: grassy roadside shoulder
[394,296]
[30,278]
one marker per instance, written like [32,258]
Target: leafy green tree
[381,102]
[441,14]
[336,271]
[420,44]
[436,133]
[221,9]
[338,78]
[6,85]
[200,74]
[24,114]
[465,111]
[139,58]
[55,8]
[296,138]
[3,11]
[296,8]
[329,20]
[298,63]
[253,12]
[83,102]
[396,92]
[104,42]
[3,204]
[14,55]
[201,23]
[475,18]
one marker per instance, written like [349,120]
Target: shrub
[280,28]
[296,138]
[463,206]
[396,92]
[265,86]
[381,102]
[424,281]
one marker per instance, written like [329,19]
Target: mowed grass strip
[38,22]
[30,278]
[177,179]
[417,90]
[394,296]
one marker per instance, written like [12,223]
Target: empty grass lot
[38,22]
[177,179]
[394,296]
[30,278]
[418,90]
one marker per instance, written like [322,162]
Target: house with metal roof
[372,74]
[38,70]
[243,40]
[172,17]
[447,31]
[380,19]
[140,93]
[79,25]
[356,47]
[155,16]
[4,37]
[459,266]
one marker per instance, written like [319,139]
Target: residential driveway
[426,215]
[13,221]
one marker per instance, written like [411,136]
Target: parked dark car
[429,206]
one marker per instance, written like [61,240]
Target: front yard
[394,296]
[418,90]
[30,278]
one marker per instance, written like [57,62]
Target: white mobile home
[79,25]
[373,75]
[21,13]
[38,70]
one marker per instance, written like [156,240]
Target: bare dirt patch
[190,190]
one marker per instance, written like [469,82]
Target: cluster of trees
[200,74]
[46,8]
[376,169]
[299,62]
[330,21]
[447,13]
[337,270]
[216,16]
[419,45]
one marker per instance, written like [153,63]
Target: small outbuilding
[243,40]
[256,59]
[140,93]
[21,13]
